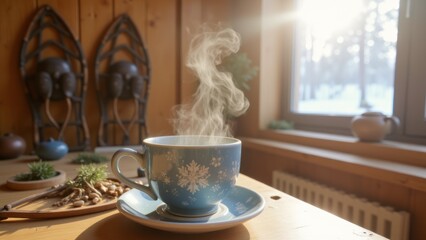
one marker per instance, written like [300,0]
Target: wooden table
[284,217]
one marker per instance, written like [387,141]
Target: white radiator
[370,215]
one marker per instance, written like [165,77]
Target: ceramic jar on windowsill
[373,126]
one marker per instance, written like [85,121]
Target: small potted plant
[240,66]
[41,175]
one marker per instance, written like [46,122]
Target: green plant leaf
[38,171]
[239,65]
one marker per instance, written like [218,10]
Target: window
[362,40]
[354,56]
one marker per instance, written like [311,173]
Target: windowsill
[407,154]
[390,171]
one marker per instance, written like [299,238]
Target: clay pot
[373,126]
[11,146]
[51,149]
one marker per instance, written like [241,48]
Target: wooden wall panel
[247,23]
[162,41]
[14,110]
[216,12]
[191,19]
[418,221]
[95,18]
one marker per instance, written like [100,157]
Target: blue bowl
[51,149]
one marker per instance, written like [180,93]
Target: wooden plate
[38,184]
[42,209]
[39,206]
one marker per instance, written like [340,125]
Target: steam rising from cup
[217,98]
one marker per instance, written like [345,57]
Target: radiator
[370,215]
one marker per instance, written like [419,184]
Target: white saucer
[240,205]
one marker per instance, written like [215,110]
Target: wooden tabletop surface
[284,216]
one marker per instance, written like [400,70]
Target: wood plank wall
[165,26]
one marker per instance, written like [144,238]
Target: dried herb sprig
[89,174]
[89,187]
[38,171]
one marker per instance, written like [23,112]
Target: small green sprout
[38,171]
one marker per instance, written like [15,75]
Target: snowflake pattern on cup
[193,176]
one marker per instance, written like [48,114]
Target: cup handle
[115,167]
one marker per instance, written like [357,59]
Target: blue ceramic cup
[190,174]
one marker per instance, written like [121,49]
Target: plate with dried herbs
[90,191]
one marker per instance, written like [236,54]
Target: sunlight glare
[328,16]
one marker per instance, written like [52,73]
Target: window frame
[411,130]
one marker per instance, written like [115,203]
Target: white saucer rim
[193,227]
